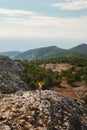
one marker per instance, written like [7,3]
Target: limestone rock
[9,80]
[48,111]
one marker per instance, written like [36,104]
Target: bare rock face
[48,111]
[9,80]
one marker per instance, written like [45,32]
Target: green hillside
[41,53]
[79,51]
[53,51]
[48,52]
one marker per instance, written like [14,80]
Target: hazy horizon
[23,48]
[26,24]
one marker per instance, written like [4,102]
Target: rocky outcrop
[48,111]
[9,80]
[8,64]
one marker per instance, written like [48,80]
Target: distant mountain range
[41,53]
[53,51]
[48,52]
[10,54]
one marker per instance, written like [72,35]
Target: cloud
[44,27]
[11,12]
[72,4]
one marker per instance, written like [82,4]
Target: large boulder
[48,111]
[9,80]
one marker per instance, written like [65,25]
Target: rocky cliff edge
[10,82]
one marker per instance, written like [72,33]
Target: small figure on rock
[40,85]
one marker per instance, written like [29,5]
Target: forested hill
[80,50]
[41,53]
[48,52]
[53,51]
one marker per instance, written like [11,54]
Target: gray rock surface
[9,79]
[48,111]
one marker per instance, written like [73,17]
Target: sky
[29,24]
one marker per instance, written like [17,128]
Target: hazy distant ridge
[53,51]
[10,54]
[48,52]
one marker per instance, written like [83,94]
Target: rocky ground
[48,111]
[58,67]
[78,92]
